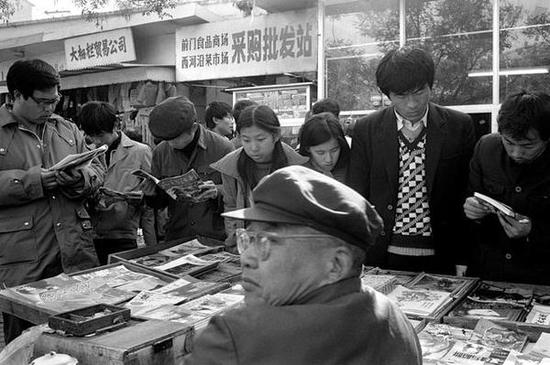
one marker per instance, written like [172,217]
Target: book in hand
[188,185]
[78,159]
[495,205]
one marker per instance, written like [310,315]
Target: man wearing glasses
[301,256]
[44,228]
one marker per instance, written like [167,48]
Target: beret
[172,117]
[301,196]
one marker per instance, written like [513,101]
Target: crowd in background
[418,163]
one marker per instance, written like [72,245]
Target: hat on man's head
[172,117]
[299,195]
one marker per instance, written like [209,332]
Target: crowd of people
[304,220]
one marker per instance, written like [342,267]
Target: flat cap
[298,195]
[172,117]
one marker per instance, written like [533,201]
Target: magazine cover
[187,265]
[436,282]
[419,302]
[438,339]
[491,334]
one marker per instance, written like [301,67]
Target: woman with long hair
[322,139]
[262,152]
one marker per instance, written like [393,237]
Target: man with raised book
[510,194]
[301,256]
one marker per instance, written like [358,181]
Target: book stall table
[36,302]
[516,306]
[422,297]
[165,313]
[201,257]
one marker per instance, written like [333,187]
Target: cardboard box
[149,342]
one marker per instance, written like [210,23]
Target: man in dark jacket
[44,227]
[513,167]
[301,258]
[187,145]
[411,161]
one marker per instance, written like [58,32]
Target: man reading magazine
[513,168]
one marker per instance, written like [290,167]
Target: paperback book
[78,160]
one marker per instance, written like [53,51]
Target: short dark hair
[216,109]
[26,76]
[320,128]
[405,70]
[97,117]
[523,111]
[326,105]
[240,106]
[134,135]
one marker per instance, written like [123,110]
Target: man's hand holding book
[514,224]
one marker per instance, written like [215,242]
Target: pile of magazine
[181,260]
[494,302]
[62,293]
[487,343]
[228,269]
[420,296]
[172,303]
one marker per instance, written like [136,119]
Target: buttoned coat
[39,228]
[187,219]
[374,173]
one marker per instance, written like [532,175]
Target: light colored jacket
[39,228]
[235,194]
[121,219]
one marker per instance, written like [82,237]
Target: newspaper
[188,185]
[79,159]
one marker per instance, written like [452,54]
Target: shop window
[356,37]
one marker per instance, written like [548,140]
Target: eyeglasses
[46,102]
[262,240]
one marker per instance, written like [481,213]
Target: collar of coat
[228,164]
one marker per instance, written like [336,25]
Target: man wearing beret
[301,257]
[187,145]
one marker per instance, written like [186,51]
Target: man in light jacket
[44,227]
[117,217]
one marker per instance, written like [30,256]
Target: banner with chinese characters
[100,49]
[270,44]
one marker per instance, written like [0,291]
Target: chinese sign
[274,43]
[100,49]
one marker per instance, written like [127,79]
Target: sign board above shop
[261,45]
[100,49]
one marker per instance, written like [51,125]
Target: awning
[116,74]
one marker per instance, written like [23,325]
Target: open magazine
[78,159]
[495,205]
[188,185]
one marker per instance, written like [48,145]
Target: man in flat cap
[301,256]
[187,145]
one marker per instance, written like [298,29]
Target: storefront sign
[270,44]
[100,49]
